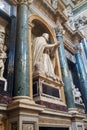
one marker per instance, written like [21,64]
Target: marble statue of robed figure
[43,55]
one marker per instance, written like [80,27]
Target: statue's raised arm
[41,56]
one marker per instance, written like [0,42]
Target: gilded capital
[59,30]
[25,1]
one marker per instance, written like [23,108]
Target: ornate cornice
[69,45]
[73,33]
[62,15]
[69,48]
[56,12]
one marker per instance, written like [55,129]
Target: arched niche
[38,26]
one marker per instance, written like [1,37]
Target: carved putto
[77,95]
[43,56]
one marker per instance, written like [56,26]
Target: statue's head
[46,36]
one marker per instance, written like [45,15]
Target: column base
[25,99]
[72,110]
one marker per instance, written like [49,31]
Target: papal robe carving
[43,53]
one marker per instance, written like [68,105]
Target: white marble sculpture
[3,49]
[77,95]
[3,56]
[43,55]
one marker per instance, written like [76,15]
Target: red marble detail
[5,99]
[53,106]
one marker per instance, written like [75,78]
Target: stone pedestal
[23,114]
[77,126]
[77,121]
[48,92]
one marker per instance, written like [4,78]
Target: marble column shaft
[21,87]
[84,46]
[82,76]
[65,74]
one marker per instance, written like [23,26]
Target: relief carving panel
[27,126]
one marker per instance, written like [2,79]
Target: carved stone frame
[52,34]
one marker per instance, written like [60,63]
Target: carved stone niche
[47,86]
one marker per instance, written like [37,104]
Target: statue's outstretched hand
[57,44]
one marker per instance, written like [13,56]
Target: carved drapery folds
[43,55]
[3,56]
[3,49]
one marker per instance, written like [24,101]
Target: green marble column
[64,68]
[21,86]
[82,74]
